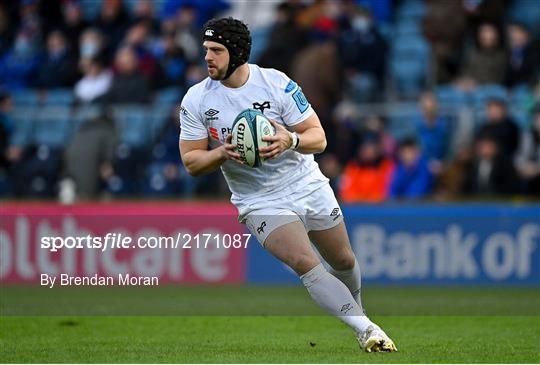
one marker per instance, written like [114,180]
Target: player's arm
[199,160]
[312,138]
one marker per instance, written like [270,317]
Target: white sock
[331,294]
[352,279]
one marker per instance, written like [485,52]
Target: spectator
[19,66]
[528,160]
[74,23]
[377,124]
[279,54]
[59,68]
[363,56]
[30,24]
[367,177]
[486,64]
[446,34]
[491,172]
[172,63]
[137,37]
[144,12]
[94,143]
[113,20]
[95,83]
[381,9]
[128,85]
[91,42]
[316,68]
[411,178]
[524,65]
[92,45]
[432,131]
[343,132]
[501,127]
[187,33]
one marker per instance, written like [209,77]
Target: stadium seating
[526,12]
[169,96]
[51,127]
[407,27]
[25,97]
[59,97]
[45,120]
[128,166]
[485,92]
[159,117]
[450,96]
[156,183]
[409,64]
[411,9]
[84,113]
[134,125]
[22,134]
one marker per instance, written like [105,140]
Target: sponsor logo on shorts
[335,213]
[260,230]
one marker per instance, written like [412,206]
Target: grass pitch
[425,331]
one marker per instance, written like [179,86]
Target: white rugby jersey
[209,109]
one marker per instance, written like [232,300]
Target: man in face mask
[363,55]
[91,44]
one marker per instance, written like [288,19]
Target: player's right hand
[229,151]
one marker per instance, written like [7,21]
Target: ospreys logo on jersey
[261,107]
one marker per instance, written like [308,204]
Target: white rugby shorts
[317,209]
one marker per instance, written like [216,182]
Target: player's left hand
[281,141]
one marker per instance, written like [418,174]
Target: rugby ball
[247,131]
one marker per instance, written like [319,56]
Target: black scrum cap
[234,35]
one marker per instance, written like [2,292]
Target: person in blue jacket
[412,178]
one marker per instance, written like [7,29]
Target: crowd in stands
[112,72]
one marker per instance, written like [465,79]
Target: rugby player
[287,202]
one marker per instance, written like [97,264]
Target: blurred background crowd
[434,99]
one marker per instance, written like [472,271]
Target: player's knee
[301,264]
[345,262]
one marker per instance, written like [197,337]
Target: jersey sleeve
[295,106]
[191,125]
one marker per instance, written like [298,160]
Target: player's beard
[218,74]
